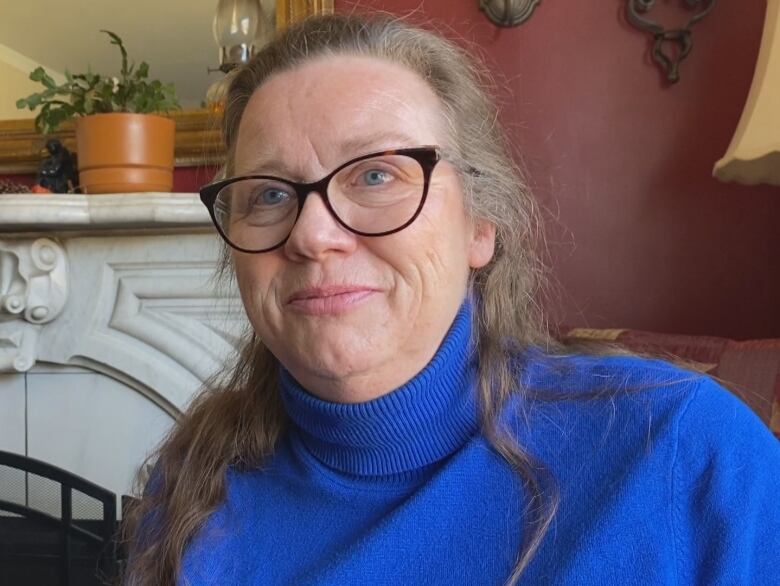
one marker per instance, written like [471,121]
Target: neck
[407,429]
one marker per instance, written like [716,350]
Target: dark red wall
[645,238]
[185,179]
[191,179]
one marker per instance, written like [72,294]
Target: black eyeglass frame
[426,156]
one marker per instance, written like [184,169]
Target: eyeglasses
[372,195]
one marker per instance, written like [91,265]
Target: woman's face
[353,317]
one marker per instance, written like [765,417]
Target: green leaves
[52,115]
[31,102]
[39,74]
[91,93]
[115,40]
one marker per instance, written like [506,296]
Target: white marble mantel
[119,284]
[61,213]
[109,324]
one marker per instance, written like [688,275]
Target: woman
[400,415]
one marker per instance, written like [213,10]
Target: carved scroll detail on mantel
[33,292]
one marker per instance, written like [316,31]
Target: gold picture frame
[198,140]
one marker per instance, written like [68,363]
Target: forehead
[310,118]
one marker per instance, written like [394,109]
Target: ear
[483,243]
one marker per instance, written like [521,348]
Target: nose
[317,233]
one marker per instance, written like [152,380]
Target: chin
[338,355]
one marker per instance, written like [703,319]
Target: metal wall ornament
[680,37]
[508,12]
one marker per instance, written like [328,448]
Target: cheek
[433,251]
[256,278]
[447,228]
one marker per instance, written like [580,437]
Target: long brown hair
[238,417]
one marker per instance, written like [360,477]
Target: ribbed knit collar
[417,424]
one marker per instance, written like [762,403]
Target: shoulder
[718,429]
[725,479]
[585,373]
[632,435]
[697,400]
[636,400]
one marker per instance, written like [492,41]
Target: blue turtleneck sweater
[663,478]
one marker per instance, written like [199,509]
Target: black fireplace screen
[55,527]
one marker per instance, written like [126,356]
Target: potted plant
[121,145]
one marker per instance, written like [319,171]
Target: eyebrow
[388,139]
[351,147]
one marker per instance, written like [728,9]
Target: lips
[328,300]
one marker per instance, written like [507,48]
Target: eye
[375,177]
[271,196]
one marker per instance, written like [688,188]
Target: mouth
[329,300]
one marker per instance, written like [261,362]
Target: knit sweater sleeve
[725,493]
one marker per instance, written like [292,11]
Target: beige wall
[14,84]
[15,70]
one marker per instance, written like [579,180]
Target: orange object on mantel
[125,153]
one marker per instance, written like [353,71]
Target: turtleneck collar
[417,424]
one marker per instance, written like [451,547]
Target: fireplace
[110,322]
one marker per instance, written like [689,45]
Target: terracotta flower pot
[125,153]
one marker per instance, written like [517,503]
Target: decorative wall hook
[680,37]
[508,12]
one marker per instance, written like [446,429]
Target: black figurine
[57,172]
